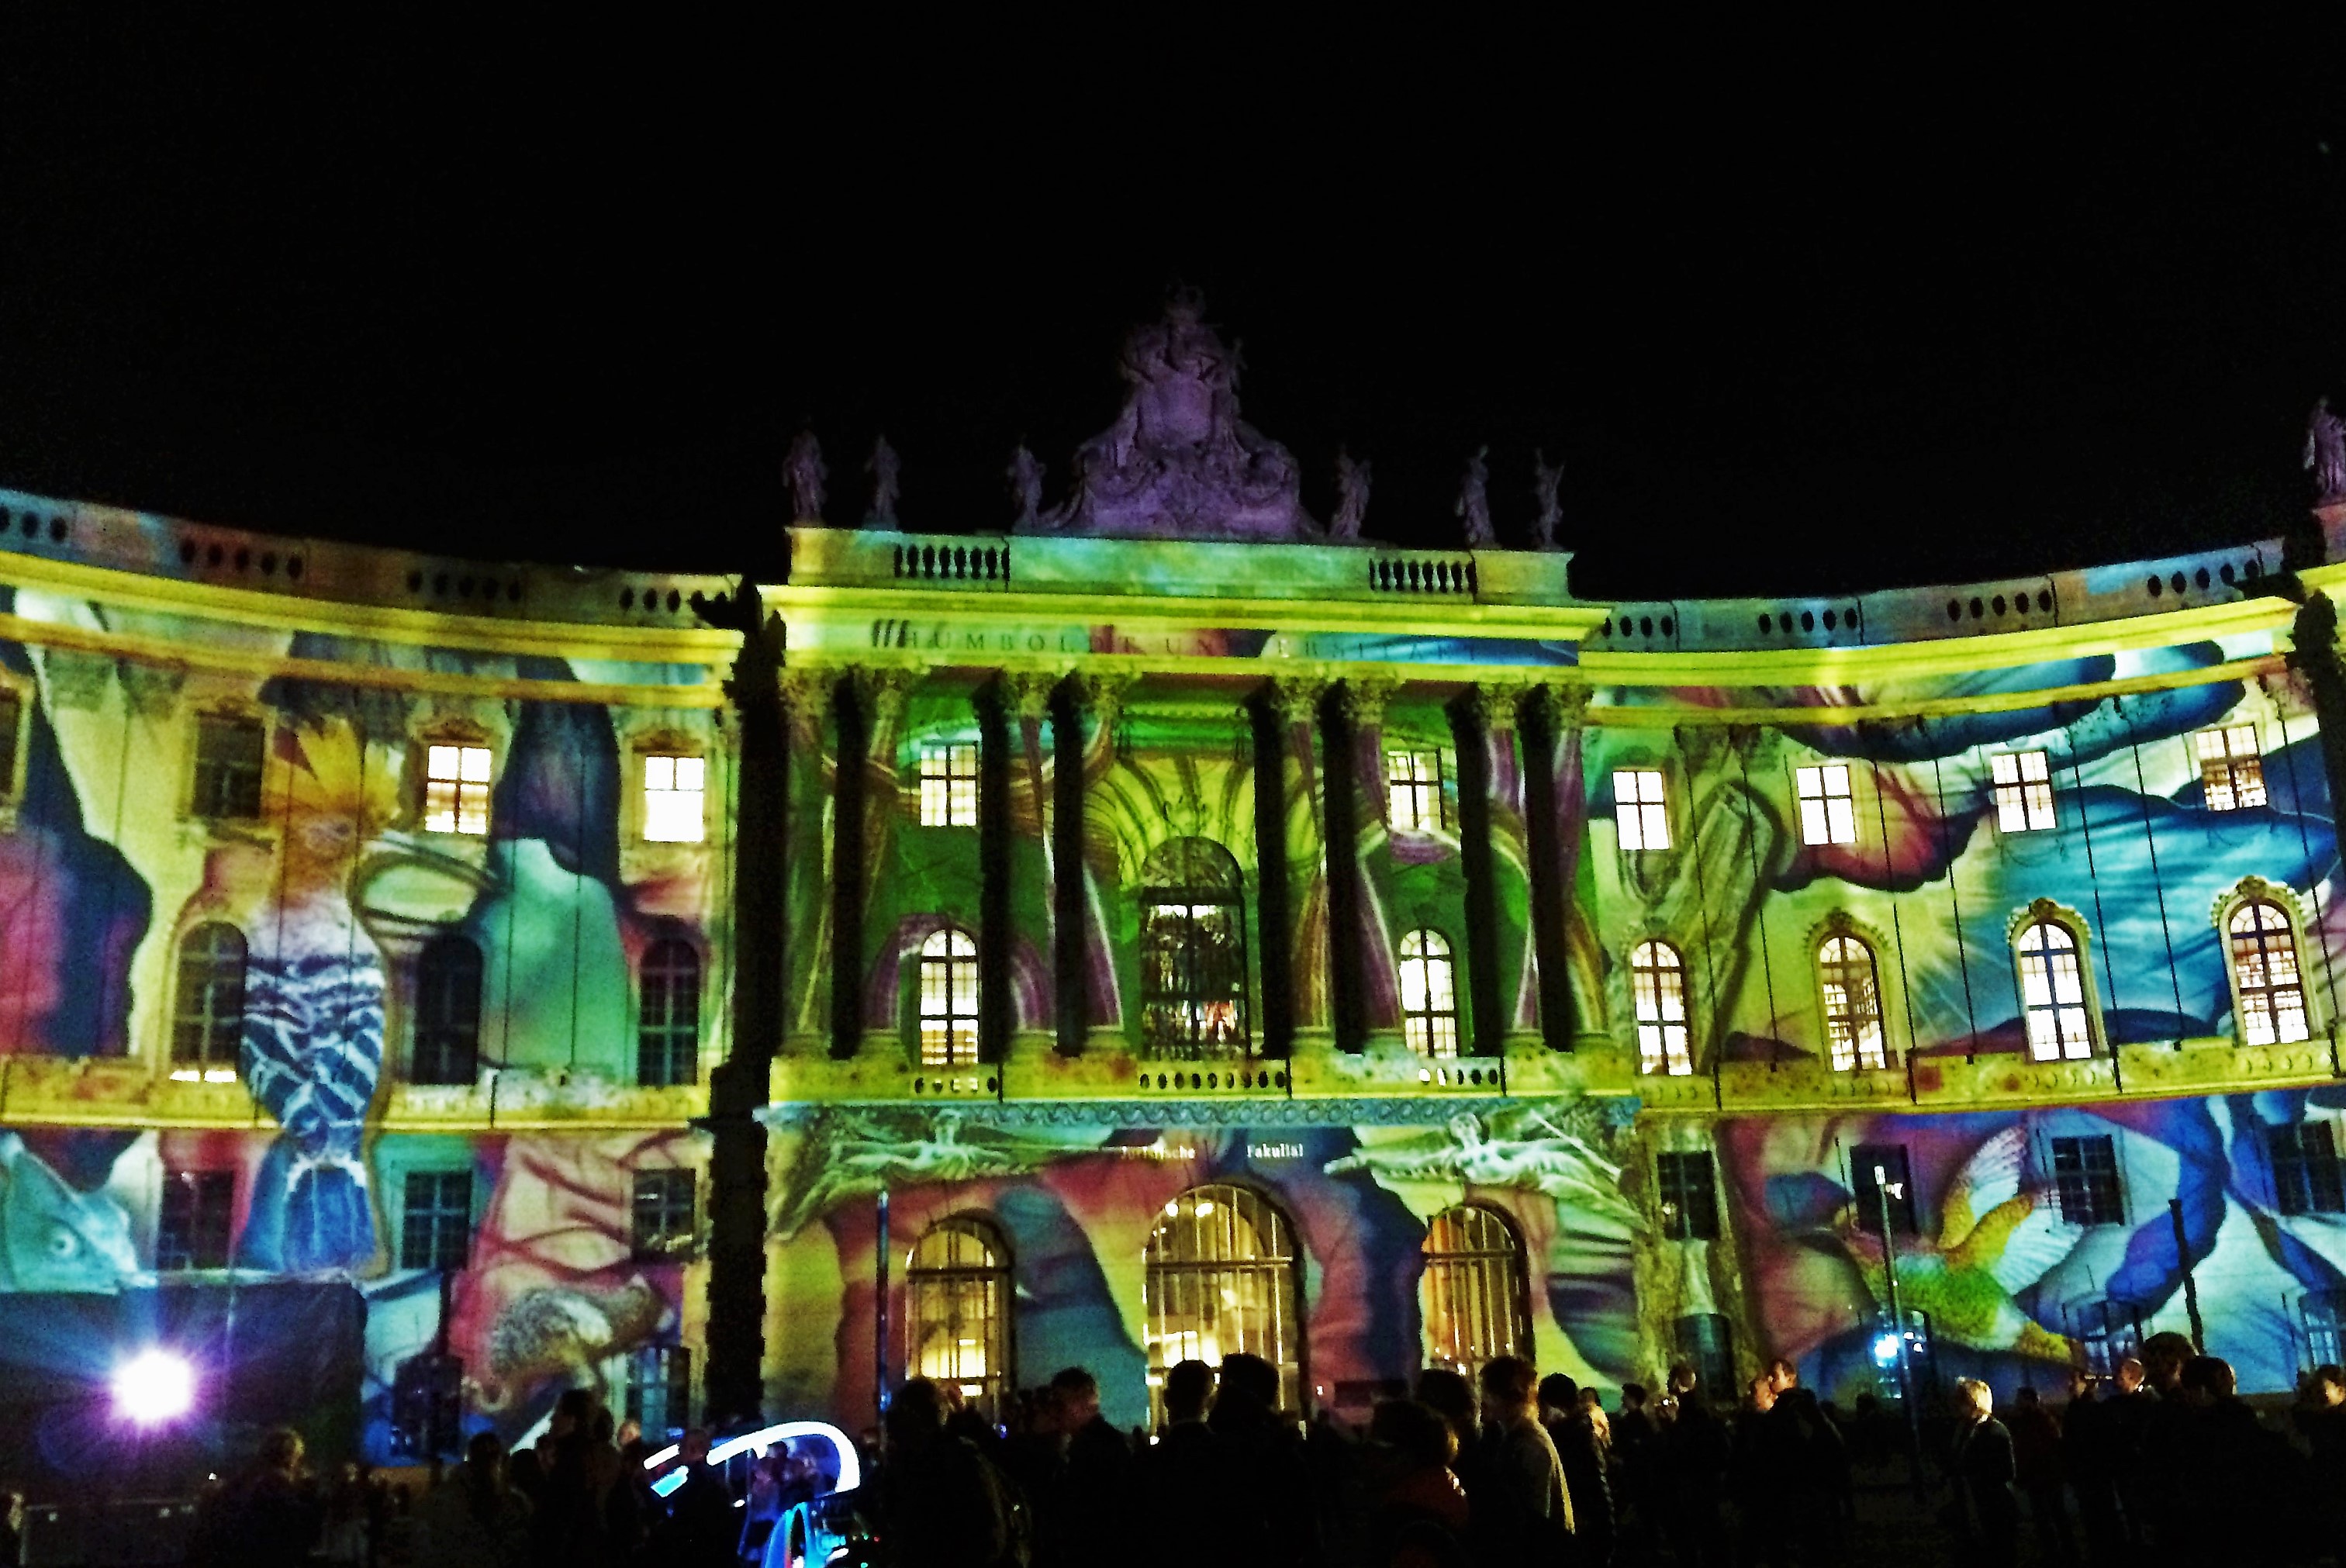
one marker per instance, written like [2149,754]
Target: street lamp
[1884,1189]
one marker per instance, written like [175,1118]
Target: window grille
[659,1390]
[948,998]
[949,785]
[2110,1332]
[2231,769]
[2052,994]
[1707,1341]
[1429,994]
[1413,790]
[2023,790]
[208,1012]
[193,1221]
[2085,1179]
[456,789]
[435,1227]
[1641,810]
[1853,998]
[675,791]
[957,1309]
[2306,1177]
[228,768]
[665,1211]
[448,1012]
[2325,1327]
[1193,953]
[1657,985]
[667,1014]
[2264,969]
[1687,1186]
[1219,1277]
[1472,1296]
[1891,1160]
[1827,808]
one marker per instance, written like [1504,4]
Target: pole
[880,1317]
[2190,1285]
[1898,1328]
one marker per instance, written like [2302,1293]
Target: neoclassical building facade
[1168,927]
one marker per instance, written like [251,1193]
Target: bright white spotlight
[153,1387]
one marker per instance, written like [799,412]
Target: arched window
[1472,1293]
[667,1014]
[1220,1278]
[1429,994]
[448,1012]
[1657,985]
[208,1017]
[2265,975]
[948,1000]
[958,1310]
[2053,992]
[1852,997]
[1193,953]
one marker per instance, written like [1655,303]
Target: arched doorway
[1473,1295]
[958,1310]
[1222,1279]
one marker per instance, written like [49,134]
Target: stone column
[1294,705]
[808,762]
[1502,973]
[1555,817]
[1372,961]
[1027,861]
[884,695]
[1088,947]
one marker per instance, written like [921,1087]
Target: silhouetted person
[1756,1481]
[1582,1454]
[1420,1517]
[1096,1479]
[701,1528]
[2127,1417]
[2089,1459]
[939,1507]
[2321,1419]
[1187,1460]
[1265,1448]
[2041,1475]
[474,1519]
[1983,1471]
[1812,1461]
[279,1518]
[1696,1451]
[1526,1517]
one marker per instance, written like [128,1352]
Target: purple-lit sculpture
[1545,480]
[802,470]
[2325,453]
[1026,477]
[1351,497]
[885,485]
[1179,462]
[1474,506]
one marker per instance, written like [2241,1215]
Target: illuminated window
[192,1223]
[2231,767]
[1193,955]
[208,1017]
[1827,810]
[1220,1278]
[2265,975]
[2085,1179]
[1429,994]
[673,793]
[949,785]
[659,1390]
[1472,1293]
[1414,791]
[667,1017]
[456,789]
[1658,984]
[2053,993]
[228,768]
[447,1011]
[1852,997]
[1639,808]
[2023,790]
[1688,1190]
[2325,1327]
[2306,1177]
[436,1222]
[948,1000]
[957,1311]
[665,1213]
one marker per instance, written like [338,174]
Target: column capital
[1100,693]
[808,691]
[1295,698]
[1026,693]
[1492,704]
[1362,698]
[886,691]
[1564,705]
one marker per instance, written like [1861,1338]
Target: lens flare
[153,1387]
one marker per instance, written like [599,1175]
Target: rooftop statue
[1351,497]
[1474,502]
[1544,483]
[885,486]
[2325,453]
[1179,462]
[1026,477]
[802,470]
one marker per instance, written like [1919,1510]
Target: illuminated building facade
[1168,928]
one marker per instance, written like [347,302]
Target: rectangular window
[1690,1201]
[456,789]
[1889,1159]
[2325,1327]
[435,1223]
[2023,790]
[2231,766]
[949,785]
[12,724]
[2306,1178]
[1828,809]
[664,1212]
[1639,810]
[673,788]
[1414,791]
[191,1225]
[660,1388]
[227,768]
[2085,1175]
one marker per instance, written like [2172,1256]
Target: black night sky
[1796,320]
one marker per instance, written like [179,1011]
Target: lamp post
[1884,1189]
